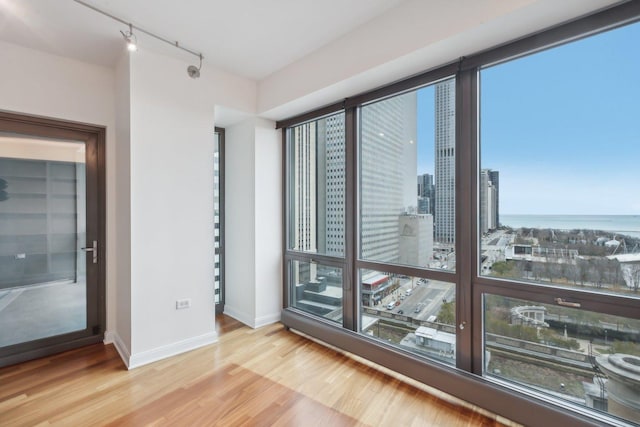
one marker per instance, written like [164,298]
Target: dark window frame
[465,381]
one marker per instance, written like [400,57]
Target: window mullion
[466,212]
[351,299]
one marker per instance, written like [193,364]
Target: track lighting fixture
[193,71]
[132,41]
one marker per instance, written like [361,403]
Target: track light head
[130,39]
[193,71]
[131,45]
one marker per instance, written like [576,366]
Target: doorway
[52,234]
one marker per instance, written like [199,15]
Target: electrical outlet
[183,303]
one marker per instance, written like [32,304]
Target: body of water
[616,224]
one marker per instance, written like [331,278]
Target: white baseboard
[250,321]
[173,349]
[121,348]
[267,320]
[239,316]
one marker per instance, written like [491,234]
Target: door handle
[94,250]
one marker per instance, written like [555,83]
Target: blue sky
[562,126]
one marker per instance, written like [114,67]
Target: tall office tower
[331,185]
[445,162]
[488,201]
[426,194]
[389,164]
[494,177]
[388,173]
[303,230]
[317,183]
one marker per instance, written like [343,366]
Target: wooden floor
[264,377]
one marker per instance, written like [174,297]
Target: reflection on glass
[316,289]
[42,230]
[414,314]
[587,358]
[559,202]
[316,186]
[407,178]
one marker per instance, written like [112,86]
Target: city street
[423,302]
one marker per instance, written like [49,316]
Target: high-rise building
[389,169]
[318,186]
[303,229]
[331,185]
[494,177]
[388,172]
[445,162]
[488,200]
[426,194]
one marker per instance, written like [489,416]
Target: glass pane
[414,314]
[559,200]
[316,289]
[407,178]
[42,230]
[583,357]
[316,186]
[216,219]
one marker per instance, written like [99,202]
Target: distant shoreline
[628,225]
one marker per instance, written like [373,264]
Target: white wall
[268,223]
[171,195]
[171,208]
[121,333]
[239,201]
[253,217]
[42,84]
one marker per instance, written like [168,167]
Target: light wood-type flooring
[262,377]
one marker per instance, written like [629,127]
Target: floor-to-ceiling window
[486,231]
[406,220]
[218,221]
[316,212]
[559,222]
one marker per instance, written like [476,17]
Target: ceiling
[250,38]
[341,47]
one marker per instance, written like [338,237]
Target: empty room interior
[331,213]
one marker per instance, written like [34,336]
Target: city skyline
[583,155]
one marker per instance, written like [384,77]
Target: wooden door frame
[64,129]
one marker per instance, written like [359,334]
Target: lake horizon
[616,224]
